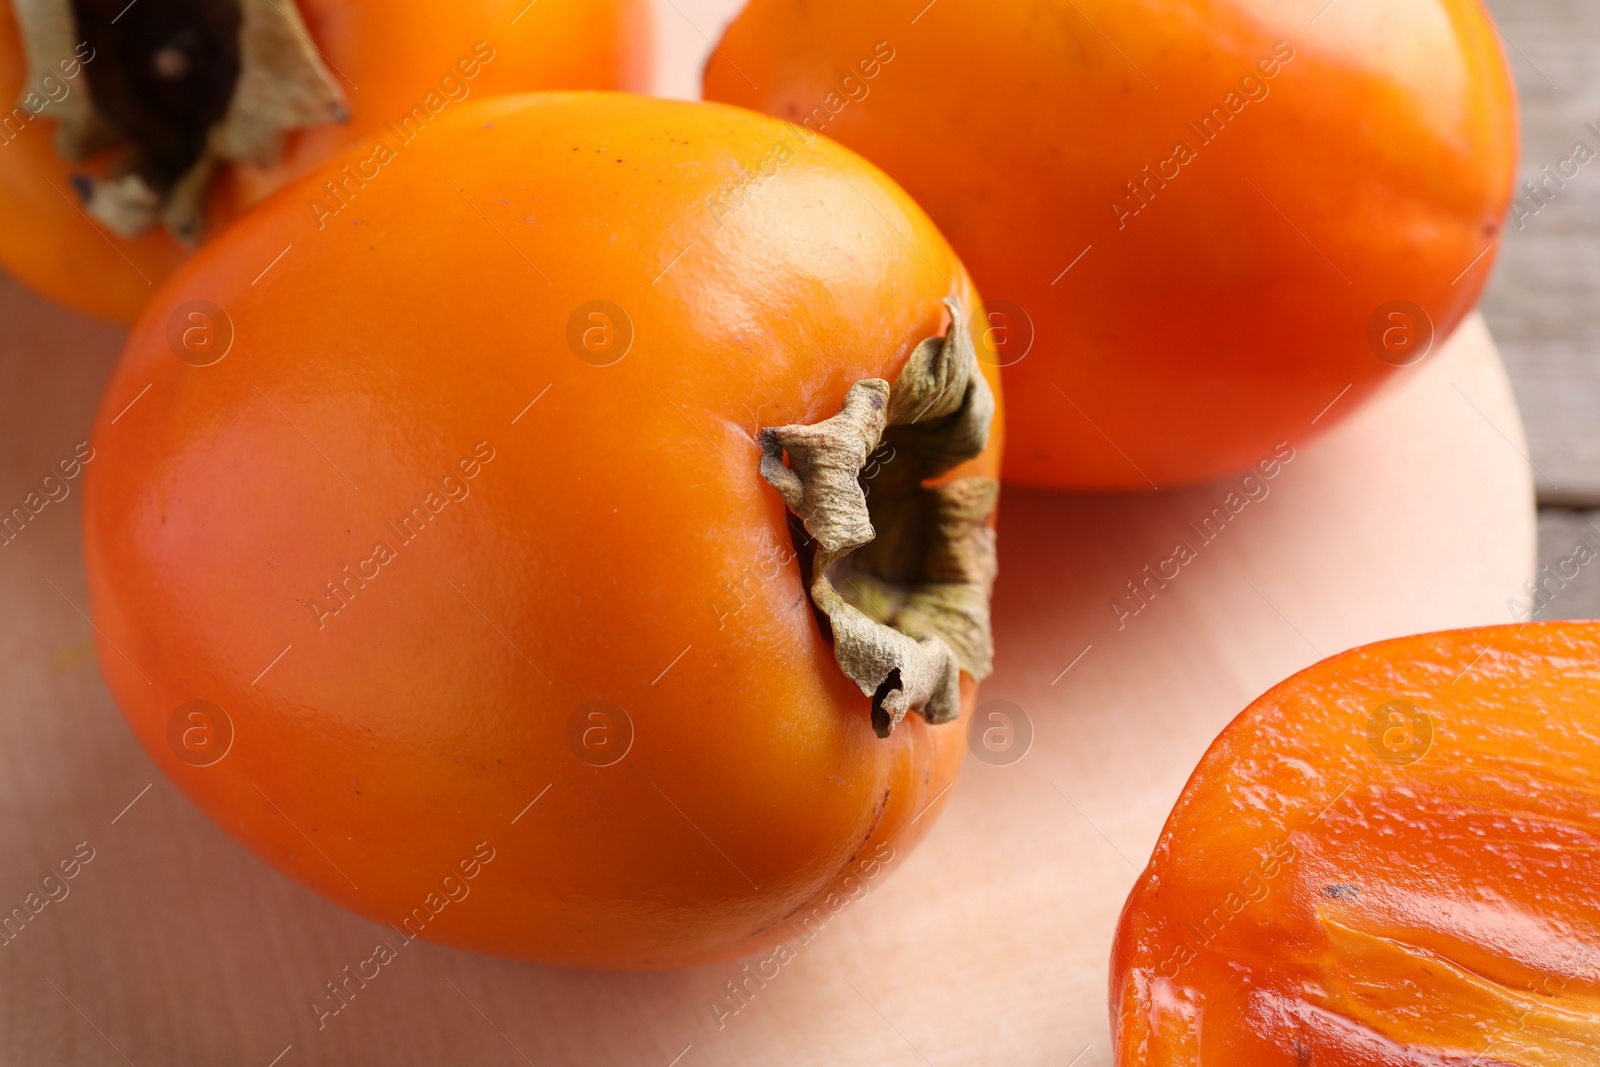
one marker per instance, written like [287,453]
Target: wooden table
[1542,304]
[176,947]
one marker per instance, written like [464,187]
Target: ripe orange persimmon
[1201,224]
[170,70]
[1389,860]
[453,513]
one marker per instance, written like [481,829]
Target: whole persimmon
[527,504]
[1204,226]
[131,131]
[1388,860]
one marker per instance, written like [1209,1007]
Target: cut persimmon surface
[1392,858]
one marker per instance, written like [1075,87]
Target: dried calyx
[902,571]
[185,84]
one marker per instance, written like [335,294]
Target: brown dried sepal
[903,574]
[246,72]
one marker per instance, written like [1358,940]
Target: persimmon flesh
[1389,860]
[458,507]
[1204,226]
[396,63]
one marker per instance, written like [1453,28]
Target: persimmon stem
[903,573]
[183,84]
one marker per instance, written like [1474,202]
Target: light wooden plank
[986,945]
[1568,583]
[177,947]
[1544,301]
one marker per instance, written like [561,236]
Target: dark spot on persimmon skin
[877,817]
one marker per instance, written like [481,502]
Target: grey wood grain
[1541,303]
[1568,583]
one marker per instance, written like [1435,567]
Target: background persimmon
[1388,859]
[477,460]
[385,58]
[1171,298]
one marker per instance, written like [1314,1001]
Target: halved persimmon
[1389,860]
[516,497]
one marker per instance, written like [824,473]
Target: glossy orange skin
[619,545]
[1319,898]
[1194,335]
[388,56]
